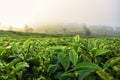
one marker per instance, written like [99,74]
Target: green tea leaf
[20,75]
[58,47]
[91,44]
[86,57]
[14,47]
[26,44]
[77,38]
[85,73]
[52,69]
[101,52]
[1,49]
[75,46]
[13,62]
[68,74]
[104,75]
[64,60]
[20,65]
[117,69]
[111,62]
[87,65]
[73,56]
[1,65]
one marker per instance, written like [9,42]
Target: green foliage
[111,62]
[85,73]
[77,38]
[104,75]
[87,65]
[64,60]
[101,52]
[73,56]
[59,58]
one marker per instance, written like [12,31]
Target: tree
[64,30]
[10,28]
[28,29]
[87,31]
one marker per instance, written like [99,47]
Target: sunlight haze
[32,12]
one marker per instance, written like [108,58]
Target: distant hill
[72,29]
[82,29]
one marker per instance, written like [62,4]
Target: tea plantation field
[42,57]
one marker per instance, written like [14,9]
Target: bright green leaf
[101,52]
[1,49]
[1,65]
[86,65]
[77,38]
[111,62]
[68,74]
[26,44]
[73,56]
[64,60]
[91,44]
[20,65]
[14,47]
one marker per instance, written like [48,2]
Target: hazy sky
[91,12]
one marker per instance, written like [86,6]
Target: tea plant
[63,58]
